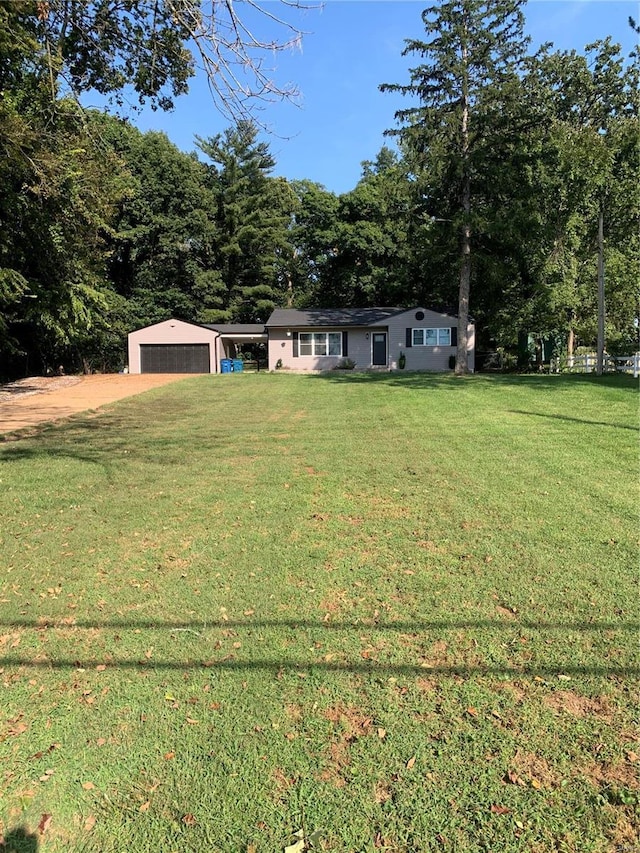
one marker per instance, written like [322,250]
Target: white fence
[588,363]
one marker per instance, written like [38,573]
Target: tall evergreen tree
[463,85]
[253,216]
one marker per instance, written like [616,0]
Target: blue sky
[350,48]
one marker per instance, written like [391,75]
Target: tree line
[489,206]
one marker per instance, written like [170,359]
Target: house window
[320,343]
[431,337]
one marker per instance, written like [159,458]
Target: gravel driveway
[41,399]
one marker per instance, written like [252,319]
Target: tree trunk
[539,347]
[571,339]
[601,342]
[462,362]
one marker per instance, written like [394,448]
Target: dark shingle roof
[331,316]
[236,328]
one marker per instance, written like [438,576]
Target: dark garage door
[174,358]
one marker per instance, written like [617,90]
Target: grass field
[387,612]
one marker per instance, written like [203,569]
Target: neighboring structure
[317,339]
[374,338]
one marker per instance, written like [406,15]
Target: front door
[379,347]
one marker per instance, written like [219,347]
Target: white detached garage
[173,346]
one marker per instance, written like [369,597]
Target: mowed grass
[400,612]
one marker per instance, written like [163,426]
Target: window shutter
[345,343]
[454,336]
[408,338]
[295,345]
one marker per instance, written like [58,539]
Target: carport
[232,336]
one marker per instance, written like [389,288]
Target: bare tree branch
[155,46]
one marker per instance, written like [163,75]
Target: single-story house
[313,339]
[374,338]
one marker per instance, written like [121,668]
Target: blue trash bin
[226,365]
[238,365]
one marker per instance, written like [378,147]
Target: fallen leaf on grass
[45,822]
[631,756]
[193,722]
[189,820]
[88,786]
[411,762]
[382,733]
[472,712]
[42,752]
[500,809]
[315,837]
[513,777]
[299,845]
[89,823]
[145,806]
[169,755]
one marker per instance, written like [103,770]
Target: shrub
[345,364]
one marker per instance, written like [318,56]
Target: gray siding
[360,340]
[424,358]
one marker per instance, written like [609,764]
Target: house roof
[236,328]
[331,317]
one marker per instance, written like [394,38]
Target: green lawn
[398,611]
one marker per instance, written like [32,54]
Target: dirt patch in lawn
[579,706]
[43,399]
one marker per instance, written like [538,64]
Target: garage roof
[236,328]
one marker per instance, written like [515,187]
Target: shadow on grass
[369,667]
[111,439]
[18,840]
[450,382]
[573,420]
[47,624]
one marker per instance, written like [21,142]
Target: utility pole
[600,362]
